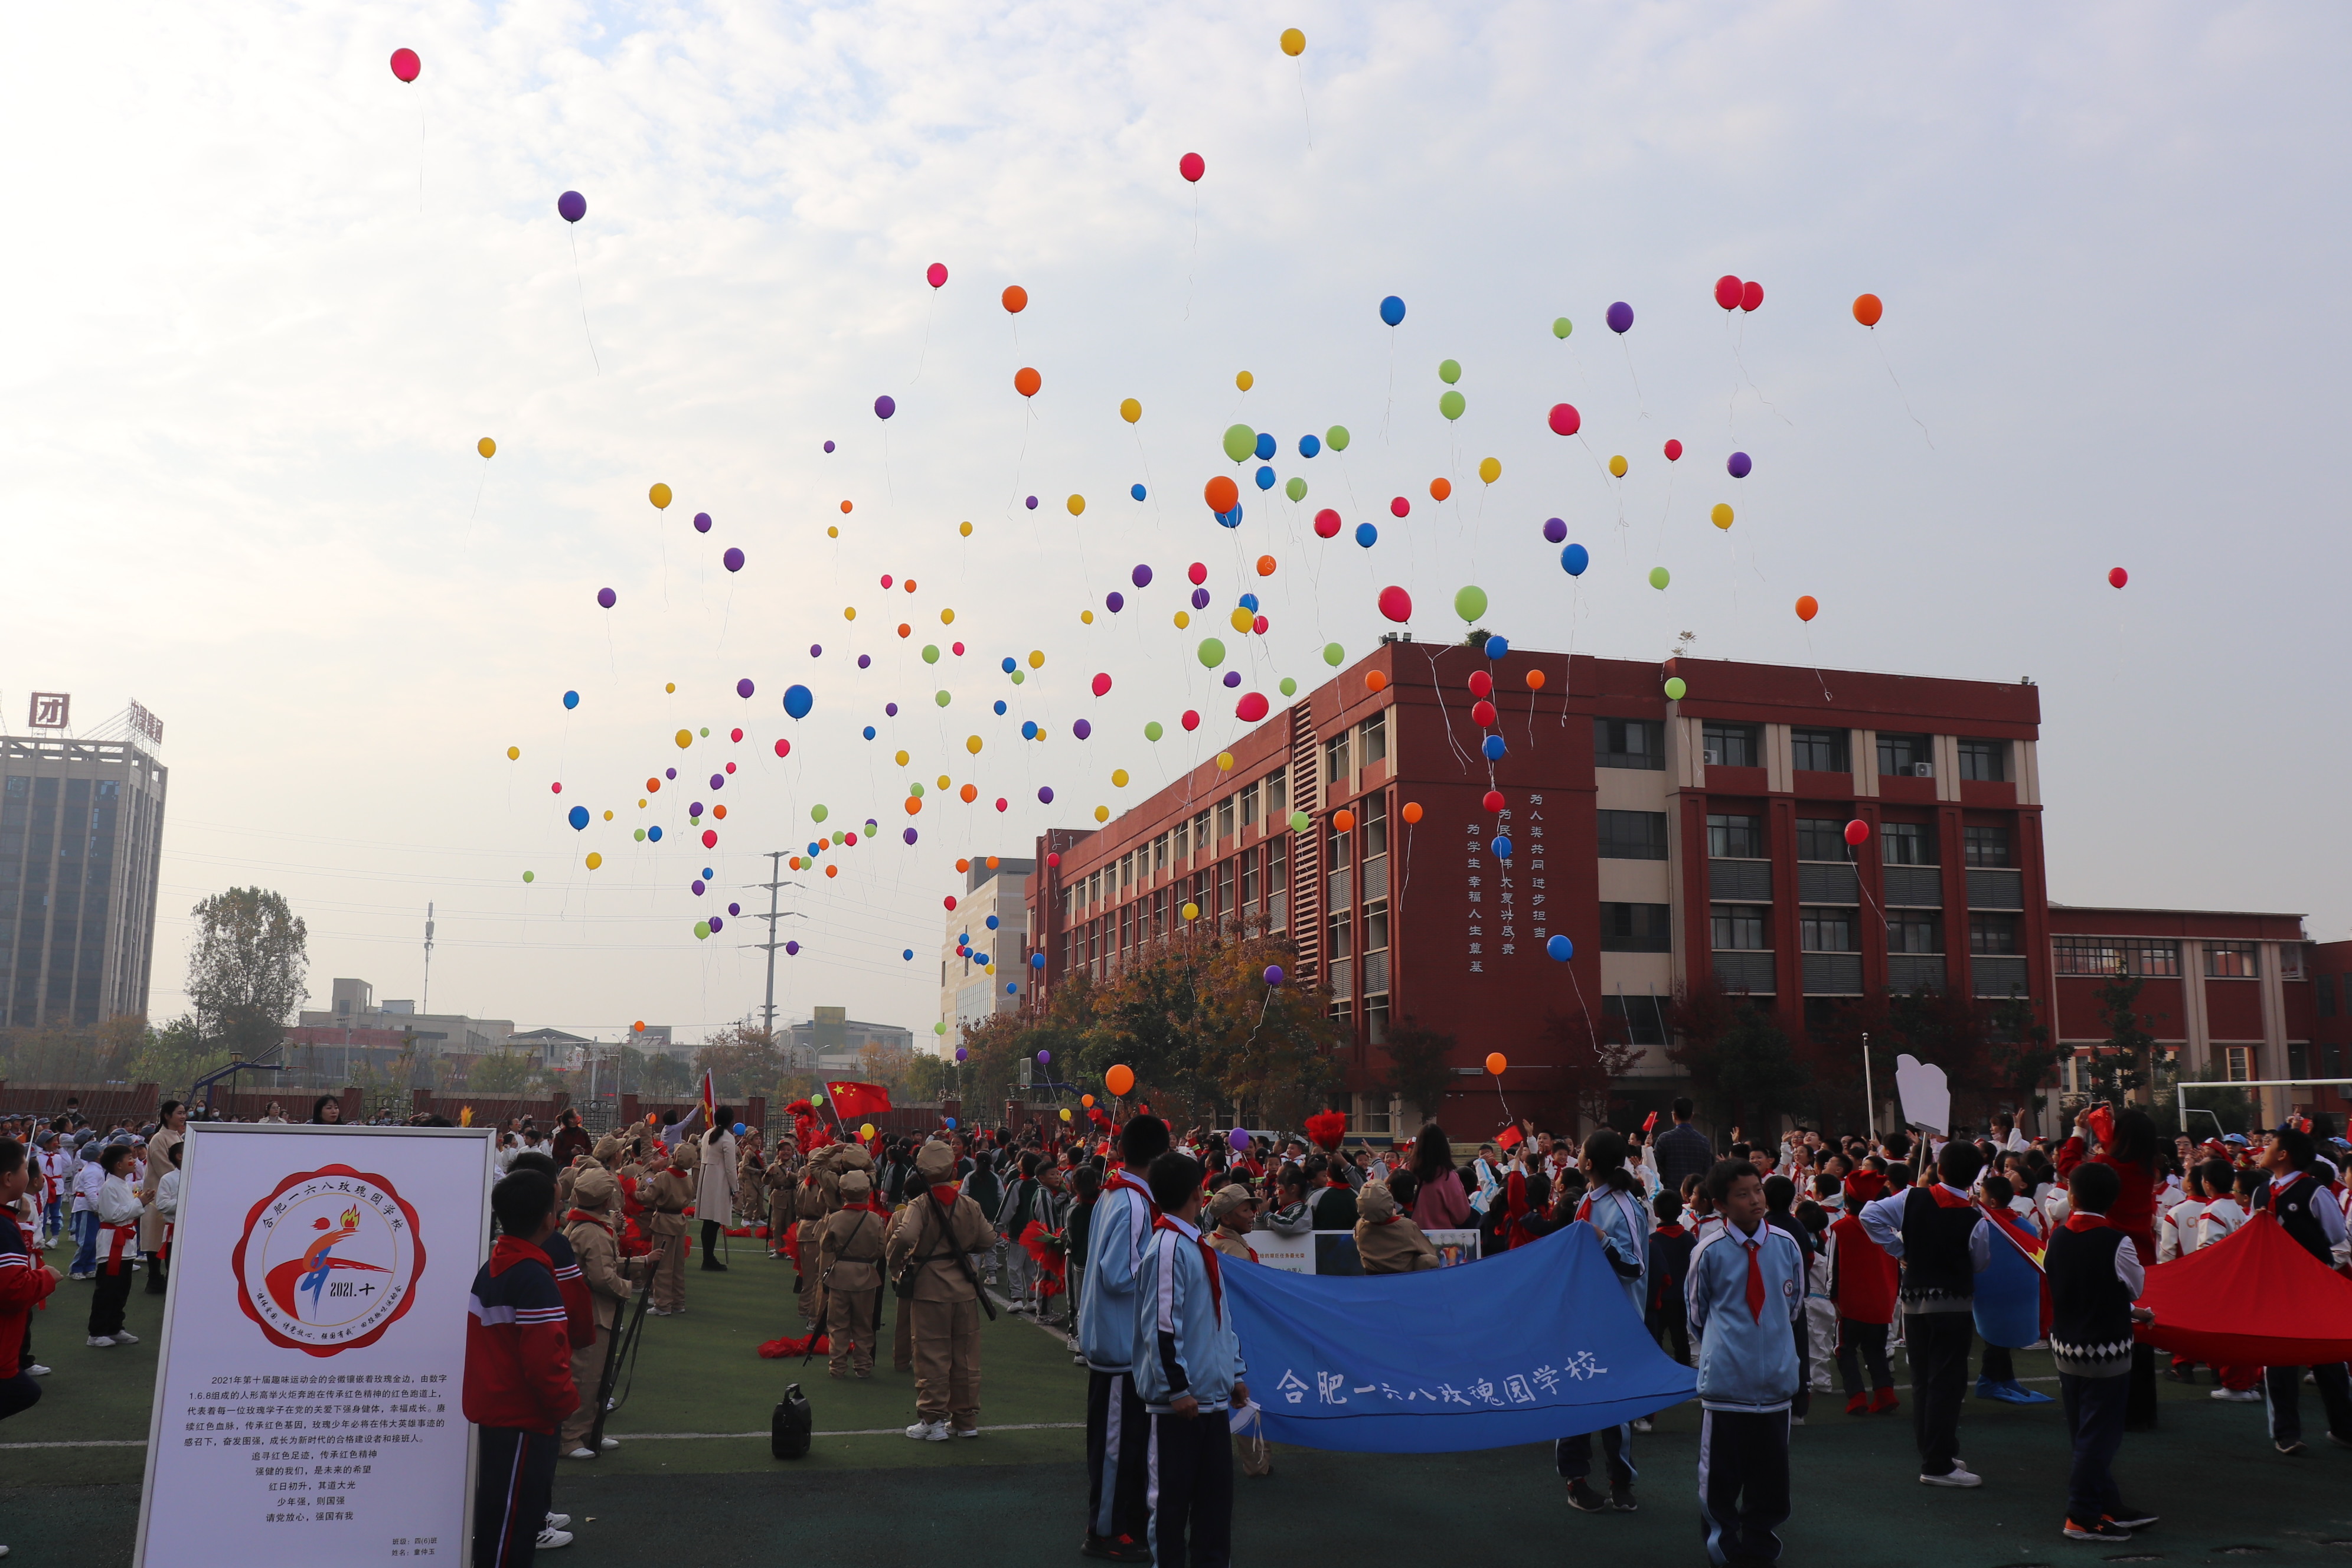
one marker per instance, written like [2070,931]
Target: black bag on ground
[789,1432]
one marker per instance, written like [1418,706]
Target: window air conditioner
[1712,757]
[1922,770]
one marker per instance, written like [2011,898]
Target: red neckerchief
[2079,1223]
[510,1250]
[576,1216]
[1208,1261]
[871,1205]
[1339,1182]
[1390,1220]
[1118,1178]
[1945,1199]
[1671,1229]
[946,1193]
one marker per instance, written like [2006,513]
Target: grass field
[866,1495]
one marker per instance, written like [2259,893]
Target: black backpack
[789,1432]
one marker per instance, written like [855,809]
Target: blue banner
[1537,1343]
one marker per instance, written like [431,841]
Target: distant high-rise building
[82,829]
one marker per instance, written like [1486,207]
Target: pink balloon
[1727,291]
[1102,684]
[1251,708]
[1565,419]
[936,274]
[406,64]
[1396,603]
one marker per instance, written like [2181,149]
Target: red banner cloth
[854,1101]
[2253,1298]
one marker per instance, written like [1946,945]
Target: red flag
[709,1101]
[854,1101]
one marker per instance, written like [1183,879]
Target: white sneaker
[559,1522]
[102,1342]
[125,1337]
[612,1442]
[966,1431]
[1643,1423]
[1954,1477]
[38,1370]
[929,1431]
[2237,1396]
[551,1538]
[1796,1421]
[582,1453]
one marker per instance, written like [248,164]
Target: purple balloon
[828,445]
[885,407]
[695,810]
[1045,795]
[892,709]
[1115,601]
[1740,466]
[1200,598]
[1043,1057]
[1141,576]
[733,559]
[910,835]
[793,948]
[1081,729]
[865,660]
[1554,531]
[1233,678]
[734,909]
[1031,503]
[571,207]
[1239,1140]
[606,597]
[669,773]
[1273,974]
[702,522]
[743,687]
[697,887]
[1621,317]
[816,650]
[718,781]
[961,1054]
[717,925]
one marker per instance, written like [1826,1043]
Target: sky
[266,298]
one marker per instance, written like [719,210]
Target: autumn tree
[1590,1060]
[1739,1060]
[2123,1065]
[1420,1066]
[246,968]
[741,1059]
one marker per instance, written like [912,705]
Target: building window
[2240,1063]
[1732,745]
[1200,833]
[1993,934]
[1343,935]
[1820,751]
[1375,732]
[1985,846]
[1372,817]
[1249,805]
[1278,885]
[1629,744]
[1226,887]
[2104,955]
[1376,1027]
[1633,835]
[1249,880]
[1985,761]
[2230,960]
[1914,931]
[1125,873]
[1645,1018]
[1735,838]
[2326,988]
[1907,843]
[1159,856]
[1183,843]
[1902,756]
[1739,927]
[1827,929]
[2298,1060]
[1343,1013]
[2291,960]
[1821,839]
[1376,926]
[1226,817]
[1334,761]
[1277,794]
[1637,928]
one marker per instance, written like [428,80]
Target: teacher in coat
[714,1199]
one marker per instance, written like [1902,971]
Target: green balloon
[1451,404]
[818,813]
[1675,688]
[1151,729]
[1018,677]
[941,699]
[531,875]
[1336,438]
[915,789]
[702,931]
[941,1027]
[1562,327]
[1470,602]
[1241,443]
[1449,371]
[1212,653]
[641,835]
[1333,653]
[1296,488]
[836,835]
[705,732]
[931,653]
[1300,821]
[1659,577]
[1288,688]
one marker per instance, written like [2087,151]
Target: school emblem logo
[328,1261]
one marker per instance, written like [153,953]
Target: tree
[2018,1048]
[741,1059]
[1739,1060]
[498,1072]
[1590,1060]
[1420,1066]
[2122,1064]
[665,1075]
[246,974]
[175,1056]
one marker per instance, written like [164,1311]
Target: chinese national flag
[852,1101]
[709,1101]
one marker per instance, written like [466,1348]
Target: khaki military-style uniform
[945,1305]
[849,1258]
[666,1198]
[589,1228]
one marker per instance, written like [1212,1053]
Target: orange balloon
[844,507]
[970,792]
[1120,1080]
[914,803]
[1867,308]
[1026,382]
[905,630]
[1016,298]
[963,865]
[1534,680]
[1266,566]
[1808,607]
[832,871]
[719,812]
[1375,681]
[1440,488]
[1412,811]
[1222,494]
[1496,1063]
[1345,821]
[1087,1101]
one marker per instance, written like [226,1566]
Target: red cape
[2254,1297]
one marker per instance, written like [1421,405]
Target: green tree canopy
[247,968]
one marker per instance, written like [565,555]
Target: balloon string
[583,287]
[1741,361]
[921,358]
[1817,665]
[1898,388]
[1303,112]
[1590,1032]
[485,479]
[1446,714]
[1391,407]
[1634,374]
[1192,266]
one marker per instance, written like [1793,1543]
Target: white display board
[1334,1251]
[307,1400]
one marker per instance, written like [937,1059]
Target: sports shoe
[1857,1405]
[2237,1396]
[552,1537]
[2337,1437]
[1583,1499]
[125,1337]
[1114,1548]
[1958,1475]
[2131,1518]
[1622,1501]
[928,1432]
[559,1522]
[102,1342]
[2290,1447]
[36,1369]
[1643,1423]
[612,1442]
[966,1431]
[1883,1401]
[582,1452]
[2097,1529]
[2010,1393]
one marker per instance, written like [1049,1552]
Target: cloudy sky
[266,298]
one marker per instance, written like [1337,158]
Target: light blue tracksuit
[1184,1338]
[1115,1237]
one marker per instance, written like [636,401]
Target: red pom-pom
[1326,1128]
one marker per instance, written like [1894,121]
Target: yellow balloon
[487,447]
[514,754]
[1617,466]
[595,860]
[1036,658]
[608,817]
[1294,42]
[671,686]
[1086,617]
[1244,381]
[1041,731]
[1191,912]
[660,496]
[1721,515]
[833,533]
[1065,1113]
[641,803]
[971,744]
[1242,620]
[1102,814]
[685,739]
[1224,761]
[1183,619]
[1119,778]
[849,611]
[902,759]
[964,528]
[1076,505]
[865,1130]
[947,617]
[988,969]
[1129,410]
[1490,468]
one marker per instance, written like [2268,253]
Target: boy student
[1862,1288]
[519,1385]
[1117,1433]
[116,1210]
[2307,1211]
[1188,1373]
[1945,1243]
[2094,1275]
[1670,1254]
[1747,1301]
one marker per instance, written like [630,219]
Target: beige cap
[1376,1203]
[855,1185]
[935,1163]
[1229,1198]
[593,1189]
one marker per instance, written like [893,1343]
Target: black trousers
[2094,1420]
[1995,1365]
[1572,1456]
[19,1393]
[158,1274]
[1938,1346]
[513,1483]
[1671,1321]
[1743,1484]
[1118,1442]
[1860,1344]
[711,1246]
[1189,1462]
[107,1298]
[2139,1415]
[2283,1392]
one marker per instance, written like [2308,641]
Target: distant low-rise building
[981,965]
[834,1043]
[353,1006]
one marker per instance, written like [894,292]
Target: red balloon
[1400,506]
[1102,684]
[1482,713]
[783,748]
[1752,295]
[1259,625]
[406,64]
[1192,720]
[949,901]
[1673,451]
[1198,573]
[1003,805]
[1251,708]
[1054,859]
[1222,494]
[1396,603]
[1727,291]
[1565,419]
[2117,577]
[1857,832]
[1494,801]
[1191,167]
[1326,524]
[936,274]
[556,788]
[1481,683]
[710,838]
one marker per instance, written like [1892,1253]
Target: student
[1615,1211]
[1997,1372]
[1862,1281]
[517,1386]
[1779,1195]
[1386,1241]
[1747,1300]
[2307,1213]
[2094,1275]
[116,1211]
[1118,1427]
[1188,1373]
[1944,1244]
[1670,1254]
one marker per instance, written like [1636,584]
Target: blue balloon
[798,701]
[908,954]
[1366,534]
[578,817]
[739,1130]
[980,958]
[1392,310]
[1249,602]
[654,833]
[571,699]
[993,922]
[1493,748]
[1265,479]
[1308,445]
[1000,705]
[870,732]
[1008,665]
[1502,847]
[812,848]
[1135,490]
[1561,948]
[708,873]
[1037,961]
[1028,729]
[1574,560]
[1231,519]
[1497,646]
[1011,989]
[951,1121]
[964,939]
[1265,445]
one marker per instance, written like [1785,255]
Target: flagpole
[1869,1100]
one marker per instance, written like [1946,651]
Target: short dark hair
[1403,1186]
[1778,1191]
[2220,1178]
[1143,1140]
[521,1200]
[1960,1162]
[2297,1144]
[1681,1109]
[1668,1206]
[1825,1183]
[12,1156]
[534,1160]
[1727,1174]
[1086,1182]
[113,1154]
[2094,1187]
[1997,1191]
[1174,1178]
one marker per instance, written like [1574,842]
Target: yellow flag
[466,1116]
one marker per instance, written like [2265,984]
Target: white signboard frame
[287,1433]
